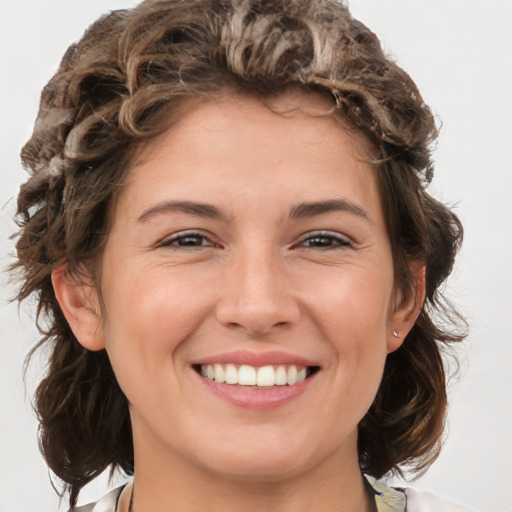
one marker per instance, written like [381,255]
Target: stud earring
[396,334]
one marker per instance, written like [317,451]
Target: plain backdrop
[459,52]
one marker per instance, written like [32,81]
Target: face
[249,247]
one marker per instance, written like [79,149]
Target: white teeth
[265,376]
[246,375]
[220,375]
[291,376]
[280,378]
[231,374]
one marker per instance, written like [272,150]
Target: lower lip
[258,399]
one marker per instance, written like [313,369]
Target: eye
[325,240]
[187,239]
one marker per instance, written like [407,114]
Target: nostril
[257,315]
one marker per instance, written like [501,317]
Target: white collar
[387,499]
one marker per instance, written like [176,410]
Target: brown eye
[187,240]
[191,240]
[325,241]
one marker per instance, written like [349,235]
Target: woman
[228,231]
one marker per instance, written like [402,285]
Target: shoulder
[421,501]
[107,504]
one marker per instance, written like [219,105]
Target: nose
[257,296]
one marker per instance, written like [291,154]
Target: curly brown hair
[120,85]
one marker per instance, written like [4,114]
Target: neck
[164,484]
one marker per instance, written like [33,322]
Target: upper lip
[267,358]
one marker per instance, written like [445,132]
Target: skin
[318,286]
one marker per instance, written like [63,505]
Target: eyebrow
[300,211]
[190,207]
[305,210]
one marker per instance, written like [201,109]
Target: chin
[259,470]
[257,461]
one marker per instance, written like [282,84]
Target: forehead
[314,113]
[233,137]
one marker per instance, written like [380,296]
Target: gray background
[459,53]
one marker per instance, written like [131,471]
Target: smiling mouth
[262,377]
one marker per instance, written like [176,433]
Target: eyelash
[339,241]
[334,240]
[171,242]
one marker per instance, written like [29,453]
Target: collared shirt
[390,499]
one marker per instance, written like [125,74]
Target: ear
[80,305]
[406,312]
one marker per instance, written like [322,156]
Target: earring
[396,334]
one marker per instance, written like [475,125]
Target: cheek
[148,318]
[154,297]
[352,317]
[353,306]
